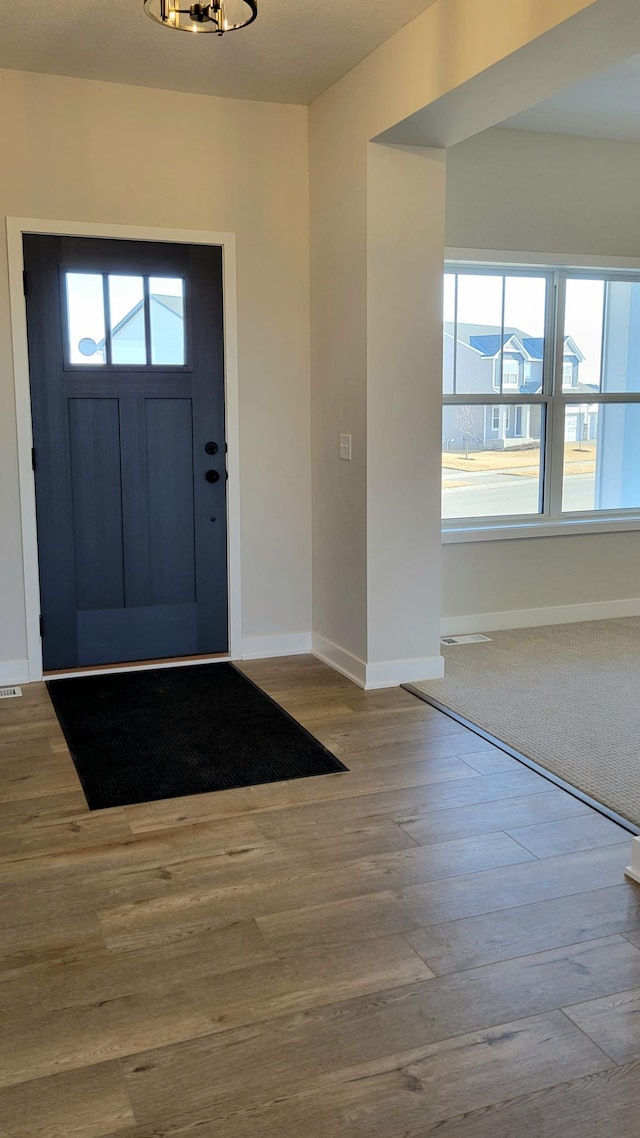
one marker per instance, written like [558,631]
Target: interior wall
[87,151]
[543,193]
[404,378]
[552,194]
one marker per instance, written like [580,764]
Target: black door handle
[211,448]
[212,476]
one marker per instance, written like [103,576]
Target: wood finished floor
[437,942]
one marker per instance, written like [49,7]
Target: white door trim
[16,226]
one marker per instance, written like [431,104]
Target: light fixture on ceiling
[219,16]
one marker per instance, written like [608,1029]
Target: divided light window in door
[124,320]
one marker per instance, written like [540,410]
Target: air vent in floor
[476,638]
[10,693]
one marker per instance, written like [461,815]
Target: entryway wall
[126,156]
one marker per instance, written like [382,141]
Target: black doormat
[167,732]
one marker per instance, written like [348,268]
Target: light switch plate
[345,447]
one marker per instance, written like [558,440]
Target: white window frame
[551,521]
[509,373]
[574,380]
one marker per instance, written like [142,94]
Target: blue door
[126,366]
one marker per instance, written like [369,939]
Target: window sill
[509,531]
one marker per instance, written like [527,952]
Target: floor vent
[476,638]
[10,693]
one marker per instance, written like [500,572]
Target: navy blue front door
[127,389]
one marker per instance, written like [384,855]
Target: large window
[541,383]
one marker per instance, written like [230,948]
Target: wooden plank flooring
[437,942]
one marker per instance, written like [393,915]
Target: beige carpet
[566,696]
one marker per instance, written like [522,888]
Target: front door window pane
[166,311]
[114,319]
[127,320]
[85,318]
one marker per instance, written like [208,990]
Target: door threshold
[135,666]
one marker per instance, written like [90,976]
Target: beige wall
[77,150]
[544,572]
[404,377]
[542,193]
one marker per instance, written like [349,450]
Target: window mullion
[455,335]
[146,311]
[107,319]
[504,289]
[554,444]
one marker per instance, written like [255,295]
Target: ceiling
[603,106]
[293,52]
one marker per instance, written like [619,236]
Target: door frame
[16,227]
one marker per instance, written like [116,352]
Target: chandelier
[219,16]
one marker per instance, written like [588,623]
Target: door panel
[131,534]
[172,562]
[94,440]
[146,633]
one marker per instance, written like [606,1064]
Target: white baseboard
[387,674]
[344,662]
[530,618]
[633,870]
[14,672]
[391,673]
[288,644]
[253,648]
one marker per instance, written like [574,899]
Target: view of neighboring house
[167,332]
[128,337]
[480,355]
